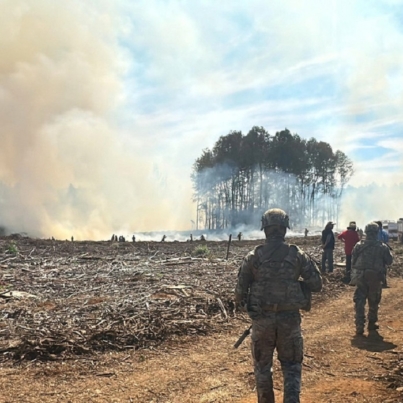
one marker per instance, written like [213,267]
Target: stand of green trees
[244,175]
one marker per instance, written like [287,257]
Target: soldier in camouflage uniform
[369,259]
[270,288]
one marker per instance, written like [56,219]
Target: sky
[106,104]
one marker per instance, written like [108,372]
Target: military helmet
[275,216]
[371,228]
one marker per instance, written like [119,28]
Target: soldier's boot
[372,326]
[359,331]
[265,397]
[346,279]
[265,393]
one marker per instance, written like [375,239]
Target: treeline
[244,175]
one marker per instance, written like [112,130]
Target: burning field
[69,300]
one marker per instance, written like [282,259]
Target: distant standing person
[240,236]
[133,238]
[350,238]
[369,260]
[382,234]
[306,232]
[328,242]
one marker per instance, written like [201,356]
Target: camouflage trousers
[369,287]
[280,331]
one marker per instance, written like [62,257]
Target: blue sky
[116,99]
[332,70]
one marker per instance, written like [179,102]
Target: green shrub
[12,248]
[201,250]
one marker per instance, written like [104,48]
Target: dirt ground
[338,367]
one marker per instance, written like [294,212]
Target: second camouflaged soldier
[369,261]
[270,288]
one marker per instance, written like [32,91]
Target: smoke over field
[65,167]
[105,106]
[368,203]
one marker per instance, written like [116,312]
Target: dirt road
[338,367]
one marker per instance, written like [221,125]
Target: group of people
[275,282]
[350,237]
[121,238]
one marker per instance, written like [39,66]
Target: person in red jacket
[350,238]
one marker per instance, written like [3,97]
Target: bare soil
[199,363]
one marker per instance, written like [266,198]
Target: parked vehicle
[400,229]
[391,228]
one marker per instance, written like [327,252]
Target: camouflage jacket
[371,255]
[270,276]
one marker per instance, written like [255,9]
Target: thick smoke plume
[65,168]
[373,202]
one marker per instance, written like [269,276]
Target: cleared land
[155,322]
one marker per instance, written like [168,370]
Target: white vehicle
[391,228]
[400,229]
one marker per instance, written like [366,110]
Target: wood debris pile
[59,298]
[394,371]
[62,298]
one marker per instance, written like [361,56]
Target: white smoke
[87,149]
[66,169]
[371,203]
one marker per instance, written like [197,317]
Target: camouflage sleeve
[387,257]
[310,272]
[245,277]
[355,253]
